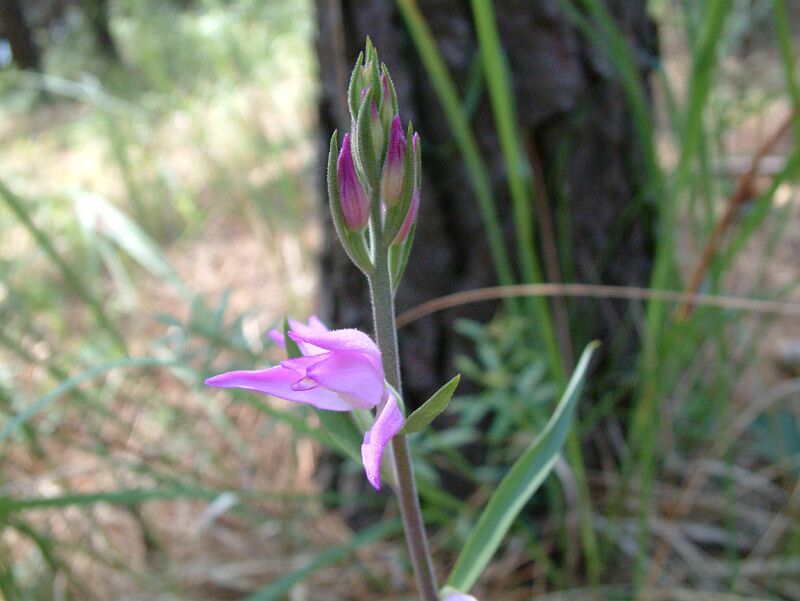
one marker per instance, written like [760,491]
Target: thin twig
[596,291]
[745,190]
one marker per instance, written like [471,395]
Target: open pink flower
[459,597]
[340,370]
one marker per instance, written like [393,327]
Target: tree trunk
[24,50]
[572,115]
[96,12]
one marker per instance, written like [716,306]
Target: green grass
[687,195]
[120,179]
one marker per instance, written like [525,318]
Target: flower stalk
[387,172]
[383,313]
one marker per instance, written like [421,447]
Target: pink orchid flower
[340,370]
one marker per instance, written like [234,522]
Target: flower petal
[351,374]
[278,382]
[387,423]
[301,365]
[459,597]
[277,337]
[340,340]
[314,325]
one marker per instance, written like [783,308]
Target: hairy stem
[406,488]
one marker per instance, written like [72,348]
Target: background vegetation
[158,214]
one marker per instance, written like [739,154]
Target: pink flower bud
[411,217]
[392,179]
[355,204]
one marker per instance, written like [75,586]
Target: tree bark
[24,50]
[572,115]
[96,12]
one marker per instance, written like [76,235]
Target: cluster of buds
[374,178]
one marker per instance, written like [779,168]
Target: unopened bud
[392,178]
[411,217]
[376,130]
[387,96]
[354,201]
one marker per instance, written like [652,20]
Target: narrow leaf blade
[292,350]
[519,484]
[431,408]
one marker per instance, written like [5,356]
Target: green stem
[386,334]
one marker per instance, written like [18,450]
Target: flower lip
[387,423]
[278,381]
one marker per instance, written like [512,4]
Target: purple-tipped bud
[392,178]
[387,95]
[355,204]
[411,217]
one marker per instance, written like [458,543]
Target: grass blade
[17,206]
[519,484]
[70,384]
[97,213]
[500,88]
[281,587]
[459,124]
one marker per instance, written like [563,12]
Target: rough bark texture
[572,112]
[15,28]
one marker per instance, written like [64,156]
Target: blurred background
[162,206]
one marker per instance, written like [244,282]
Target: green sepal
[354,243]
[398,257]
[396,215]
[364,151]
[371,60]
[292,350]
[392,91]
[370,54]
[431,408]
[354,87]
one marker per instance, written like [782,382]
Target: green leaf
[343,432]
[137,496]
[292,350]
[519,484]
[19,207]
[431,408]
[364,150]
